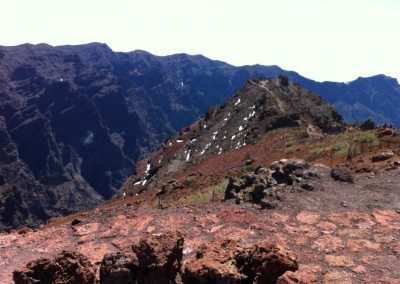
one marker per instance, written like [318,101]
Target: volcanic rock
[118,268]
[264,186]
[213,263]
[387,132]
[367,125]
[66,267]
[382,156]
[342,174]
[229,262]
[159,257]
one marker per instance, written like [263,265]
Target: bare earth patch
[356,243]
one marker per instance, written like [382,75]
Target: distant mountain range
[75,119]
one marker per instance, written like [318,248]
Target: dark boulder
[263,186]
[367,125]
[66,267]
[265,263]
[229,262]
[342,174]
[118,268]
[382,156]
[159,258]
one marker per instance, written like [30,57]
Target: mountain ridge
[79,117]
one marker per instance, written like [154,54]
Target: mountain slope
[375,97]
[75,119]
[261,106]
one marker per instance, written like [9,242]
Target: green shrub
[340,148]
[319,151]
[205,196]
[369,138]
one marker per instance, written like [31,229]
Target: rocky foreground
[335,233]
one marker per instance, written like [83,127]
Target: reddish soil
[346,233]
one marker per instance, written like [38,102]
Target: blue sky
[323,40]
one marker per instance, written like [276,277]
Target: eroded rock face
[213,263]
[342,174]
[265,262]
[159,257]
[229,262]
[118,268]
[66,267]
[264,186]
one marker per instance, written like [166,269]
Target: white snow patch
[179,141]
[233,137]
[225,119]
[181,84]
[245,118]
[170,144]
[144,182]
[252,113]
[205,126]
[193,140]
[138,182]
[240,128]
[202,152]
[237,102]
[147,169]
[88,139]
[188,156]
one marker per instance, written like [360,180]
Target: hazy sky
[324,40]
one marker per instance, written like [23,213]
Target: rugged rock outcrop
[265,186]
[66,267]
[229,262]
[159,257]
[118,268]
